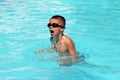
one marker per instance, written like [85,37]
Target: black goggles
[55,25]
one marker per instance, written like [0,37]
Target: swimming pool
[92,24]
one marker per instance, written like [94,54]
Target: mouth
[51,31]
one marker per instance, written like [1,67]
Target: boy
[60,42]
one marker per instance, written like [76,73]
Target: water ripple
[17,69]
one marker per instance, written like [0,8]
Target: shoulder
[67,40]
[70,45]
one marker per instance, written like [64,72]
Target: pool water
[92,24]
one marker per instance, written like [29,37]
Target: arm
[71,47]
[44,50]
[73,58]
[72,51]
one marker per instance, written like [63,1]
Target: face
[54,31]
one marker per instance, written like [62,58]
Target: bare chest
[61,47]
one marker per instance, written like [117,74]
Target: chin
[53,35]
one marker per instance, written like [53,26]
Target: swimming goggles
[55,25]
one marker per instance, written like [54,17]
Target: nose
[51,27]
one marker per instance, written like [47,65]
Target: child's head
[62,19]
[56,25]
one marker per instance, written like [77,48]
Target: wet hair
[60,17]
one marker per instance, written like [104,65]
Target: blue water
[94,26]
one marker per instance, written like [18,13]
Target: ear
[62,29]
